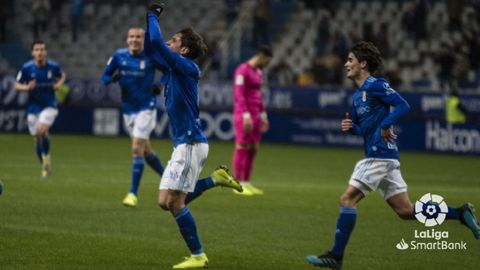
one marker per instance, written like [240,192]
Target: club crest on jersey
[364,96]
[49,74]
[142,64]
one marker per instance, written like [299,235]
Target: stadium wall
[300,116]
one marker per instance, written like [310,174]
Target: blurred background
[431,50]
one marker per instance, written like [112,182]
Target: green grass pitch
[75,219]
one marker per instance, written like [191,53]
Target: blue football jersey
[375,106]
[137,73]
[43,95]
[181,78]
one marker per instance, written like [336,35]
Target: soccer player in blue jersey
[135,73]
[372,118]
[179,184]
[41,77]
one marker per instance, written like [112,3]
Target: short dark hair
[38,41]
[366,51]
[266,50]
[194,42]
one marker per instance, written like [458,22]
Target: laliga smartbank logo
[431,210]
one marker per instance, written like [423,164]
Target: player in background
[179,184]
[372,118]
[249,117]
[135,73]
[41,77]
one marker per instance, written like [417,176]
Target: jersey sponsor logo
[142,64]
[388,90]
[239,80]
[49,74]
[363,109]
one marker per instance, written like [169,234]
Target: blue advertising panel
[301,116]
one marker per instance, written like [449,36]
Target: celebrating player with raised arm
[380,169]
[41,77]
[250,117]
[179,184]
[135,73]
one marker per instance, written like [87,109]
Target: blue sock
[188,229]
[154,162]
[453,213]
[45,141]
[345,224]
[200,187]
[39,149]
[137,171]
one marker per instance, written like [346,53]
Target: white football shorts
[46,116]
[375,173]
[140,124]
[184,167]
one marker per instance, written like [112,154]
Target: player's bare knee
[163,205]
[147,151]
[162,202]
[175,206]
[138,151]
[346,201]
[42,132]
[404,213]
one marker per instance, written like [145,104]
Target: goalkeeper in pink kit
[249,117]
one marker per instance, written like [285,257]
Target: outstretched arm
[160,63]
[158,45]
[157,42]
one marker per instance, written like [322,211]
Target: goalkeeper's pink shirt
[246,90]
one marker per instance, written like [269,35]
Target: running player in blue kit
[41,77]
[372,118]
[135,73]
